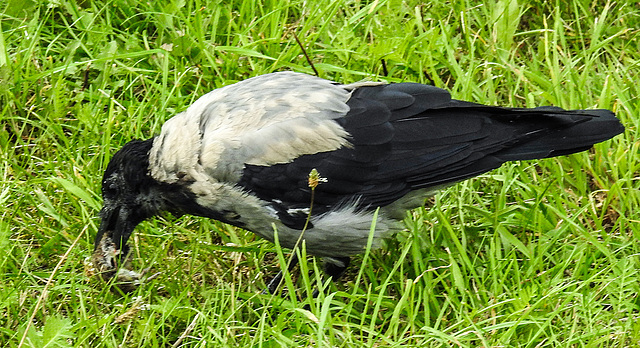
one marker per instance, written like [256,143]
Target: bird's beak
[110,255]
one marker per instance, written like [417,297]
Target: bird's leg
[334,267]
[272,287]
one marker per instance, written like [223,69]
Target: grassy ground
[534,254]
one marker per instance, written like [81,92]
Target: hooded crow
[242,155]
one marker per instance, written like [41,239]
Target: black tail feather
[589,127]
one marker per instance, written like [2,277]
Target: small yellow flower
[315,179]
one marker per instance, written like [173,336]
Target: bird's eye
[109,189]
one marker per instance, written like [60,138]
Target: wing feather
[408,136]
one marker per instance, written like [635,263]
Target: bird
[242,154]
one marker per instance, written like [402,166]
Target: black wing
[409,136]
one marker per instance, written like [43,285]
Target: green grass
[534,254]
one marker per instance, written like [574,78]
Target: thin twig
[299,241]
[85,79]
[45,291]
[305,53]
[186,331]
[314,180]
[112,99]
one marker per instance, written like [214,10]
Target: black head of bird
[130,197]
[241,154]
